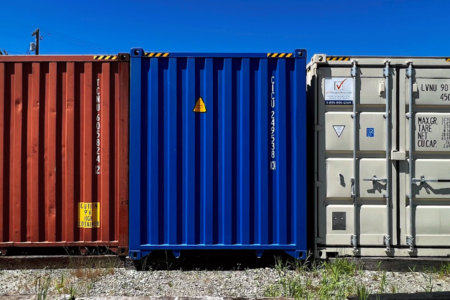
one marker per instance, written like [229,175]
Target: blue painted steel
[205,180]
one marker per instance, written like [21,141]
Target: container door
[429,157]
[353,172]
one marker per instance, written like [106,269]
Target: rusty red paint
[48,150]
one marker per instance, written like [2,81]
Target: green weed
[341,267]
[429,287]
[290,287]
[379,265]
[42,287]
[362,292]
[444,271]
[383,282]
[59,286]
[72,293]
[64,285]
[336,280]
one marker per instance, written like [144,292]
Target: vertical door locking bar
[387,237]
[410,237]
[353,180]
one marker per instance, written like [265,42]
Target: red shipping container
[64,134]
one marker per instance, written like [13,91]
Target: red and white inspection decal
[339,91]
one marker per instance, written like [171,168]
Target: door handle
[375,179]
[422,180]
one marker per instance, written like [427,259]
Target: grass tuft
[444,271]
[362,292]
[42,288]
[383,282]
[337,280]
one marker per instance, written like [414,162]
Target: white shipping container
[365,153]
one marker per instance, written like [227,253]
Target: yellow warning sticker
[89,215]
[200,106]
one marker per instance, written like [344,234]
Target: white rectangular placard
[339,91]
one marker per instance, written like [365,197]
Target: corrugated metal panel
[383,155]
[204,180]
[48,150]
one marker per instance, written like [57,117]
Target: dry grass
[84,279]
[91,274]
[77,280]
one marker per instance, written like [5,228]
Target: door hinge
[318,128]
[320,240]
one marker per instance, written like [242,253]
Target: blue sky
[347,27]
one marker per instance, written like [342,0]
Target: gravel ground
[246,283]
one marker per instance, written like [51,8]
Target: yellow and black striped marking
[156,54]
[338,58]
[279,55]
[447,59]
[105,57]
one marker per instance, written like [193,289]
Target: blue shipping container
[218,152]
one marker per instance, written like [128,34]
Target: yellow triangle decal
[200,106]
